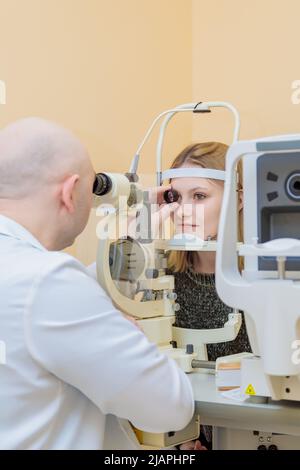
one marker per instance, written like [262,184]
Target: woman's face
[200,202]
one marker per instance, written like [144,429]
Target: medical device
[132,263]
[132,266]
[268,288]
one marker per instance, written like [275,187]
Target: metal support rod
[281,266]
[201,364]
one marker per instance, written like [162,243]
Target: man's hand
[132,320]
[164,210]
[156,194]
[159,212]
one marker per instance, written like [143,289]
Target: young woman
[194,272]
[200,305]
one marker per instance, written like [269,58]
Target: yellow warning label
[250,390]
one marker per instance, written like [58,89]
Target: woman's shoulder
[176,274]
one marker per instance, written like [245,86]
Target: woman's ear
[67,193]
[241,199]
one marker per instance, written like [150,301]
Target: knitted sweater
[201,307]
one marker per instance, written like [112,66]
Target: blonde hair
[206,155]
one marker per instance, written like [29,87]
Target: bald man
[71,358]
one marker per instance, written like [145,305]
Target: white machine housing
[268,289]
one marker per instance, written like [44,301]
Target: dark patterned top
[201,307]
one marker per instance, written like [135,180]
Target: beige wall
[246,52]
[103,68]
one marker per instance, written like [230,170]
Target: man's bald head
[35,152]
[46,180]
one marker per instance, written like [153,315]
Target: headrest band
[193,173]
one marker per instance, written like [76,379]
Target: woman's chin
[194,230]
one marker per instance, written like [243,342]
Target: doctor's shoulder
[61,267]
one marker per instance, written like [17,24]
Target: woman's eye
[199,196]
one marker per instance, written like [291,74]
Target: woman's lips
[189,228]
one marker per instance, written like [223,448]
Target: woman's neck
[204,262]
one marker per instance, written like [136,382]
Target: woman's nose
[185,210]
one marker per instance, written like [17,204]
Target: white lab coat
[71,357]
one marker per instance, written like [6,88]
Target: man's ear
[241,199]
[67,194]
